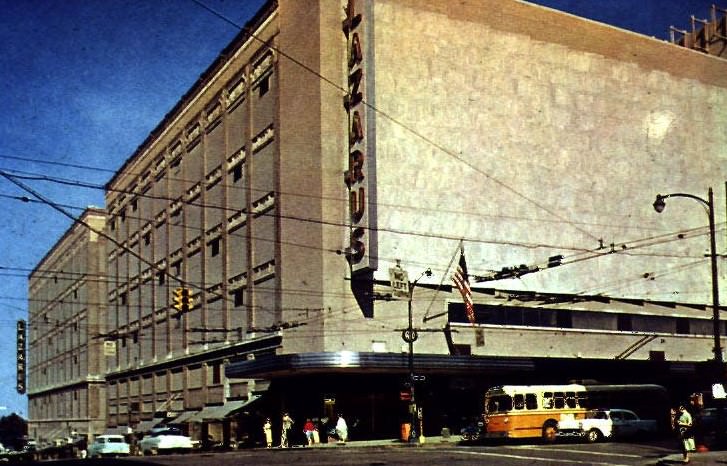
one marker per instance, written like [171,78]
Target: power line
[341,224]
[233,186]
[394,120]
[21,174]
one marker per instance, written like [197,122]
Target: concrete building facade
[67,300]
[333,140]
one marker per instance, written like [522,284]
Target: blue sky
[85,81]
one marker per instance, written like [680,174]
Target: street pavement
[702,457]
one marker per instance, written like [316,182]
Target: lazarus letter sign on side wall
[21,364]
[359,177]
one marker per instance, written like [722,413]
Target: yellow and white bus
[530,411]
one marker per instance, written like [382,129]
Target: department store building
[333,140]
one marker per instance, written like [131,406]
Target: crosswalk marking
[533,458]
[567,450]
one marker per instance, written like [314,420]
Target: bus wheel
[550,429]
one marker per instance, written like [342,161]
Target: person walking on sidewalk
[268,431]
[308,429]
[686,433]
[287,424]
[341,429]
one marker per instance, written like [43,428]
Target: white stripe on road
[533,458]
[564,450]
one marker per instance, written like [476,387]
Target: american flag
[462,282]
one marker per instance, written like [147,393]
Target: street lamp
[659,206]
[410,335]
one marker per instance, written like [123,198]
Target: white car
[108,445]
[602,424]
[166,439]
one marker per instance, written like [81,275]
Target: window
[160,277]
[177,268]
[239,297]
[564,318]
[123,298]
[122,214]
[264,86]
[682,325]
[147,239]
[134,205]
[531,401]
[499,403]
[559,398]
[216,378]
[215,247]
[624,323]
[237,173]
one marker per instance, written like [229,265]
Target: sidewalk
[710,458]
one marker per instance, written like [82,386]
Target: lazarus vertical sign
[358,102]
[21,363]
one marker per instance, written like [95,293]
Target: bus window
[519,401]
[548,400]
[499,404]
[559,400]
[582,400]
[531,401]
[570,399]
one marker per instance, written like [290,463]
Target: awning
[183,418]
[145,426]
[118,430]
[216,413]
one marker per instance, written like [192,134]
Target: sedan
[165,440]
[108,445]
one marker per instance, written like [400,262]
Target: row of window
[564,318]
[529,401]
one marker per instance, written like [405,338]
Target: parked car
[711,425]
[627,424]
[602,424]
[108,445]
[165,440]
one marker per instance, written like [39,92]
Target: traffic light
[179,299]
[187,299]
[183,300]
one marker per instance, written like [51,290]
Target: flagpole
[427,317]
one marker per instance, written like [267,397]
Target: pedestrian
[686,433]
[287,424]
[268,431]
[308,429]
[341,429]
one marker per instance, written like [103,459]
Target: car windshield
[596,415]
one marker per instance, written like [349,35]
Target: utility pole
[403,288]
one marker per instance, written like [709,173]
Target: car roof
[110,436]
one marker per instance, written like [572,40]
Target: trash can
[405,431]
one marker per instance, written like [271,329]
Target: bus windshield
[499,404]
